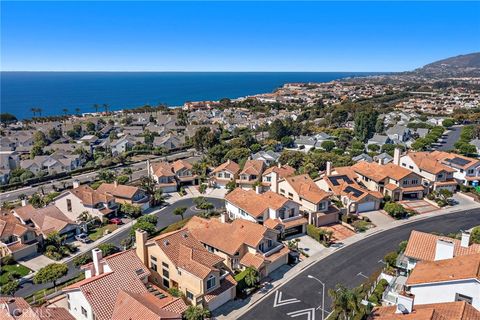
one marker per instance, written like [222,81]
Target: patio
[419,206]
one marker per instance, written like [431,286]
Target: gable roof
[90,196]
[30,313]
[454,160]
[283,171]
[162,169]
[181,164]
[253,167]
[186,252]
[379,172]
[425,162]
[306,188]
[421,246]
[10,225]
[253,203]
[118,190]
[229,165]
[227,237]
[101,291]
[457,268]
[47,219]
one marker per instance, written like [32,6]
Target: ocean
[55,91]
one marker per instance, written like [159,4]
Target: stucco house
[126,194]
[250,174]
[224,173]
[16,238]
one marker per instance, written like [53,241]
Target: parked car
[116,221]
[83,237]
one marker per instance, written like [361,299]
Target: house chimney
[329,168]
[96,257]
[465,239]
[396,156]
[148,168]
[223,218]
[24,202]
[258,189]
[76,183]
[274,182]
[405,303]
[141,248]
[279,164]
[444,249]
[115,183]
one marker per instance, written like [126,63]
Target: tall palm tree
[196,313]
[39,110]
[106,107]
[345,302]
[96,106]
[65,111]
[34,111]
[77,110]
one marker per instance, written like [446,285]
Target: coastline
[54,91]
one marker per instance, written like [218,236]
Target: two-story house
[313,201]
[251,174]
[117,287]
[241,243]
[224,173]
[355,198]
[272,175]
[390,179]
[179,260]
[467,170]
[447,280]
[16,308]
[435,174]
[163,175]
[269,208]
[430,247]
[16,238]
[126,194]
[183,173]
[82,198]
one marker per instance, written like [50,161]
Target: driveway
[419,206]
[309,245]
[340,232]
[378,218]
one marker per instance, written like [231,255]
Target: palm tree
[345,302]
[251,276]
[65,111]
[77,110]
[158,197]
[34,111]
[196,313]
[96,106]
[39,110]
[106,107]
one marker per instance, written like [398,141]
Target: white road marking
[362,275]
[309,312]
[279,302]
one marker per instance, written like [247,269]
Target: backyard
[12,271]
[99,232]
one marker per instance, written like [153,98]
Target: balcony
[273,249]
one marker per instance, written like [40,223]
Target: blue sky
[234,36]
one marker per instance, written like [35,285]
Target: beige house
[313,201]
[355,198]
[269,208]
[183,173]
[81,199]
[224,173]
[271,176]
[251,174]
[241,243]
[126,194]
[163,175]
[178,260]
[17,239]
[392,180]
[435,174]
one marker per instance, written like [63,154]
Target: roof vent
[185,235]
[165,242]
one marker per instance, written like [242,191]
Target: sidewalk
[235,309]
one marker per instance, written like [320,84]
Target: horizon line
[199,71]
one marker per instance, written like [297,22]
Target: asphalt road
[165,218]
[138,168]
[450,139]
[350,266]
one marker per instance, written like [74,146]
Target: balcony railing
[273,250]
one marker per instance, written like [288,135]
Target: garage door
[366,206]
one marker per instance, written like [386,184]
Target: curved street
[350,266]
[165,218]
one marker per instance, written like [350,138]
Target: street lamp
[323,293]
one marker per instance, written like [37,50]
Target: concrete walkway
[235,309]
[378,218]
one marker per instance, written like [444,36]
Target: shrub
[313,232]
[395,210]
[8,259]
[360,225]
[175,292]
[391,258]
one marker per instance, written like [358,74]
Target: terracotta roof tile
[230,166]
[306,188]
[426,162]
[89,196]
[283,172]
[253,167]
[253,203]
[459,310]
[421,246]
[119,190]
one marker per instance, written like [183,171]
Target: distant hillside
[467,65]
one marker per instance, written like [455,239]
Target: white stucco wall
[77,300]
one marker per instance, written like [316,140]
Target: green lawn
[99,232]
[9,269]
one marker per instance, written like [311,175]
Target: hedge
[240,278]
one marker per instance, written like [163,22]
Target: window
[227,175]
[322,206]
[153,258]
[165,265]
[268,178]
[84,312]
[282,191]
[68,304]
[189,295]
[410,167]
[220,175]
[470,171]
[69,205]
[270,242]
[261,247]
[290,194]
[403,164]
[153,265]
[165,273]
[461,297]
[414,181]
[211,282]
[166,283]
